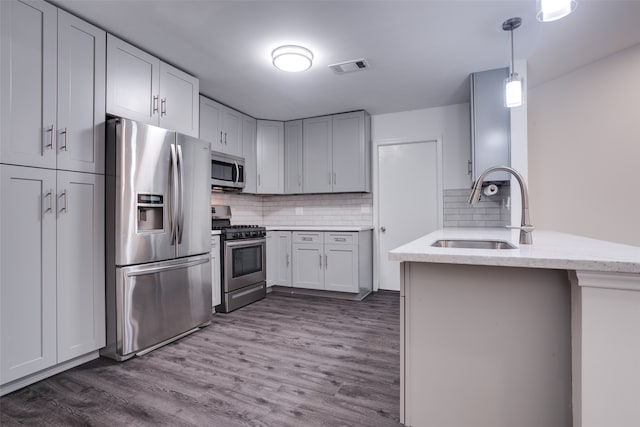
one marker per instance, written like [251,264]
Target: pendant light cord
[513,67]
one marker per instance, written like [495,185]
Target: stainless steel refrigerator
[157,237]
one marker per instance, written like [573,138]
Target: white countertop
[216,232]
[318,228]
[550,249]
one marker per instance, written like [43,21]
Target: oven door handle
[240,243]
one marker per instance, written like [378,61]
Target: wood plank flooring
[287,360]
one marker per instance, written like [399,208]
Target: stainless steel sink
[473,244]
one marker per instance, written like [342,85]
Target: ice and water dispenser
[150,212]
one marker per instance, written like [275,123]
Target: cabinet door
[132,82]
[270,154]
[341,268]
[349,152]
[283,268]
[273,256]
[316,152]
[249,154]
[80,267]
[308,266]
[81,95]
[232,132]
[179,101]
[211,123]
[293,157]
[216,279]
[27,271]
[28,83]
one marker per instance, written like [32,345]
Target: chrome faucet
[525,226]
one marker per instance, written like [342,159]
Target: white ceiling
[420,52]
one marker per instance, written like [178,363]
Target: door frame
[376,192]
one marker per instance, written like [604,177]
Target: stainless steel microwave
[227,172]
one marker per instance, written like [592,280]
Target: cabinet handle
[320,260]
[329,173]
[288,260]
[225,138]
[258,180]
[65,206]
[163,107]
[469,168]
[155,105]
[306,239]
[299,180]
[50,196]
[65,132]
[52,135]
[340,239]
[334,178]
[326,262]
[221,138]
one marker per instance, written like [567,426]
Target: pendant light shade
[513,83]
[551,10]
[292,58]
[513,91]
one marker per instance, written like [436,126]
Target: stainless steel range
[243,261]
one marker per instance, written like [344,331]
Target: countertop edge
[318,228]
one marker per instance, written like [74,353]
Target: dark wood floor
[284,361]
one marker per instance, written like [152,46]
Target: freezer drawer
[156,302]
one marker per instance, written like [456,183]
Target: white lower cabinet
[332,261]
[216,279]
[279,258]
[52,305]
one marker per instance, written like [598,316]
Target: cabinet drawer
[341,238]
[307,237]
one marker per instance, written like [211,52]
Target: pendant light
[513,83]
[551,10]
[292,58]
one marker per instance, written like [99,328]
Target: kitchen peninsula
[543,334]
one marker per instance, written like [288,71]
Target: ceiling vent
[349,66]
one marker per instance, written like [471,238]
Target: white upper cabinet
[136,89]
[53,84]
[316,148]
[351,152]
[81,95]
[270,156]
[337,153]
[133,82]
[249,126]
[221,126]
[293,157]
[179,100]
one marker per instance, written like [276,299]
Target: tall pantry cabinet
[52,114]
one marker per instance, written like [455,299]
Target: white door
[80,266]
[408,200]
[283,248]
[308,266]
[81,95]
[341,268]
[132,82]
[27,271]
[179,101]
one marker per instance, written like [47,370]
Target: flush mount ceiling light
[292,58]
[513,83]
[551,10]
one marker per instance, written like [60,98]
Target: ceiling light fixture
[513,83]
[292,58]
[551,10]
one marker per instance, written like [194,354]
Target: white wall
[584,150]
[451,123]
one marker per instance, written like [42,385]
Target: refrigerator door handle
[173,184]
[180,193]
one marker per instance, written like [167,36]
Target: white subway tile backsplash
[489,212]
[317,209]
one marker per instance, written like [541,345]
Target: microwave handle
[237,172]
